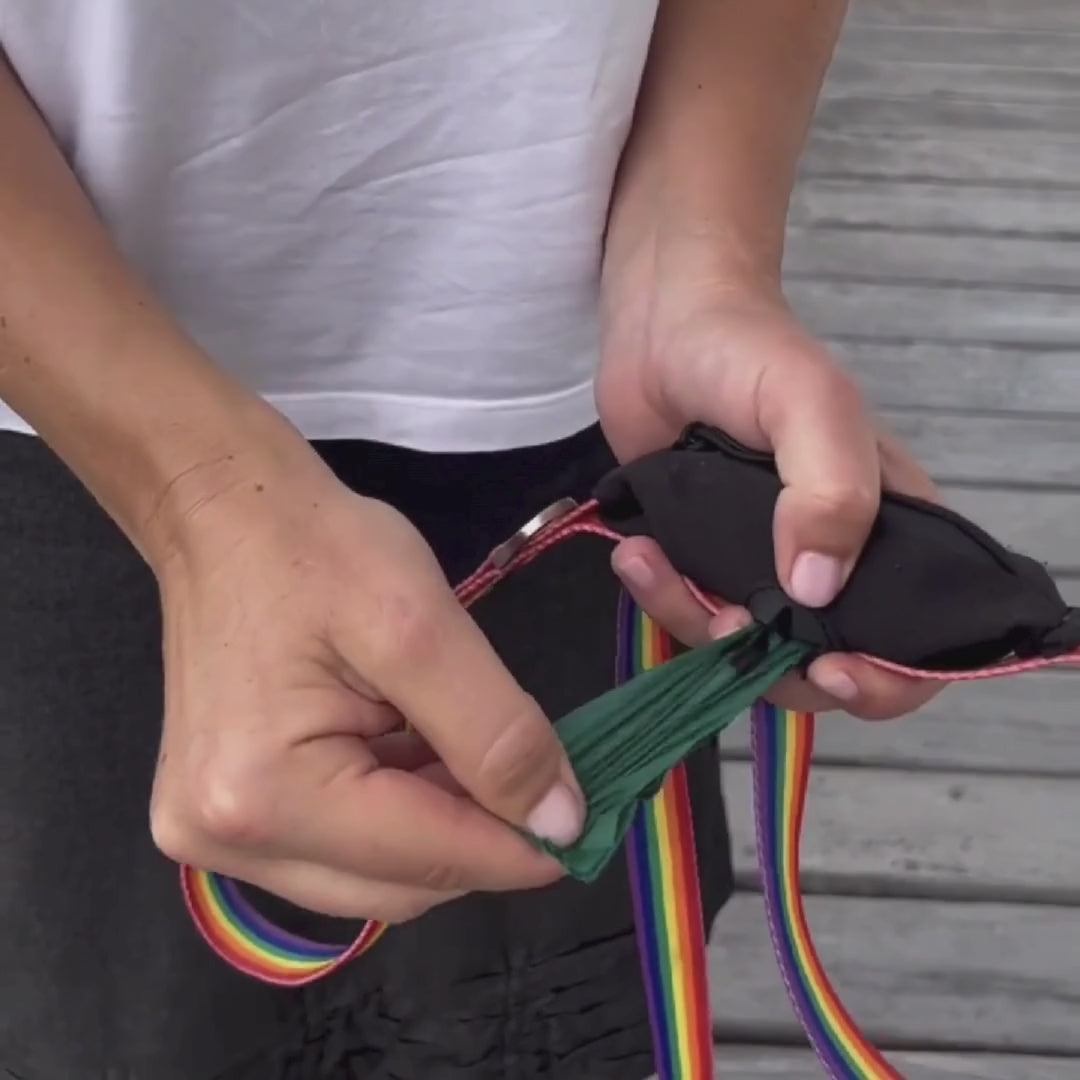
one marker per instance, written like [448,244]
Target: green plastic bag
[623,743]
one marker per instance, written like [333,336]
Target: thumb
[827,456]
[443,675]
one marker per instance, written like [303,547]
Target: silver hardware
[500,556]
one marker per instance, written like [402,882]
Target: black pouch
[931,590]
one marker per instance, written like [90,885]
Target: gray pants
[102,977]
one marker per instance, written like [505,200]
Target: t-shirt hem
[441,425]
[433,425]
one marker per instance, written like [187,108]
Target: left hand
[734,356]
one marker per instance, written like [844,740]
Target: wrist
[729,240]
[675,266]
[226,485]
[651,231]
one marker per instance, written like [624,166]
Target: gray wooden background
[935,242]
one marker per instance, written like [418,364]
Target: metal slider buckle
[501,556]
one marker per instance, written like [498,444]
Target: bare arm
[726,103]
[299,620]
[94,363]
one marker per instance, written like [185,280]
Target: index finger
[396,826]
[433,662]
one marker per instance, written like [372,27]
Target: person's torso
[385,217]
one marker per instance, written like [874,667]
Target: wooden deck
[935,241]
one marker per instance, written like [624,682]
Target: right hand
[302,625]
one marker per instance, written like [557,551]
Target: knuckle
[407,631]
[230,812]
[221,810]
[443,877]
[840,387]
[170,834]
[523,762]
[852,502]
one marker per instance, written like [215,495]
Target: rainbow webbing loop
[252,944]
[666,893]
[782,747]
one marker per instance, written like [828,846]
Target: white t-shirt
[385,216]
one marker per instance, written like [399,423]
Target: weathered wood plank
[924,973]
[894,832]
[1027,521]
[981,208]
[1023,724]
[1070,590]
[950,375]
[1009,449]
[1033,15]
[878,254]
[1024,46]
[957,313]
[919,257]
[854,74]
[1011,158]
[907,98]
[946,151]
[954,118]
[762,1062]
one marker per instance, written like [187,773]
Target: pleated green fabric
[623,743]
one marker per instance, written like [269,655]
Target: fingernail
[837,684]
[557,817]
[815,579]
[637,571]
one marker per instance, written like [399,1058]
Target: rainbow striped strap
[252,944]
[782,747]
[665,890]
[666,897]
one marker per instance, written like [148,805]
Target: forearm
[89,358]
[726,103]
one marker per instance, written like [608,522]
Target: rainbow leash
[666,897]
[664,887]
[665,890]
[782,746]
